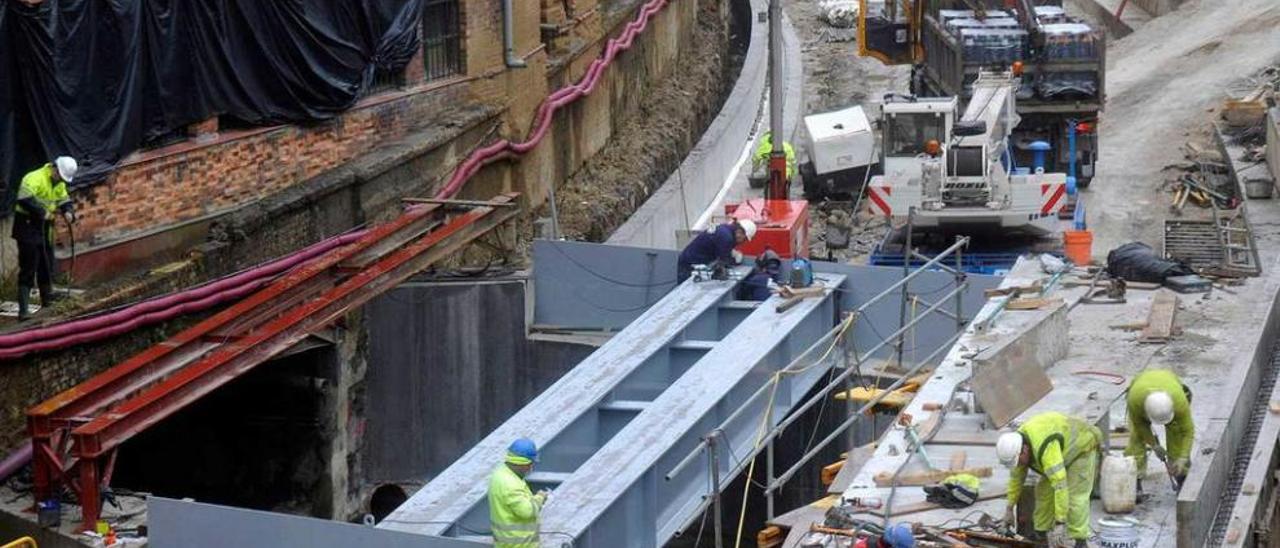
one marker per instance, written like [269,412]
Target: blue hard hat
[524,447]
[899,536]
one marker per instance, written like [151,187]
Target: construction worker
[755,287]
[1064,450]
[765,149]
[715,247]
[1157,396]
[41,195]
[513,508]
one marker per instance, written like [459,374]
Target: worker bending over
[41,195]
[1064,450]
[513,508]
[766,149]
[755,287]
[715,246]
[1157,396]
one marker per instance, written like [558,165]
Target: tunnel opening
[257,442]
[385,499]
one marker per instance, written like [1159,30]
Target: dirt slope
[1164,84]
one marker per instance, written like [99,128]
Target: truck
[1060,60]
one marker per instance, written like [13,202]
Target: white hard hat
[67,168]
[1159,408]
[1008,447]
[748,227]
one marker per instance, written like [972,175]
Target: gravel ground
[836,77]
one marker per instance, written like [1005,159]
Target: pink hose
[542,120]
[166,307]
[100,326]
[17,459]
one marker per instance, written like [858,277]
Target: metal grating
[1194,243]
[1244,453]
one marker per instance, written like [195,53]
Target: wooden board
[929,477]
[1161,317]
[1034,303]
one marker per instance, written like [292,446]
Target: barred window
[442,38]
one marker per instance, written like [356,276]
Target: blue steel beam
[578,414]
[619,497]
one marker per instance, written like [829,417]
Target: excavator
[1059,59]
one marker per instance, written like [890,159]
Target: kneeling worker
[715,246]
[1065,451]
[1157,396]
[513,508]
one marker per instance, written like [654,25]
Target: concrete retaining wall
[698,182]
[448,362]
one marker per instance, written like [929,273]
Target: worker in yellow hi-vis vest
[41,195]
[1065,451]
[1158,396]
[513,508]
[765,148]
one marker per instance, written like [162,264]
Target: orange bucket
[1078,245]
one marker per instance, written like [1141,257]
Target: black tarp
[98,78]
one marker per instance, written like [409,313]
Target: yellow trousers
[1080,476]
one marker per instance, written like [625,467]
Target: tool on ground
[1113,293]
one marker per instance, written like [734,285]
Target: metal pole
[960,277]
[795,468]
[715,485]
[768,497]
[777,189]
[906,269]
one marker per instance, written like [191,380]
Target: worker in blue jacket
[715,246]
[755,287]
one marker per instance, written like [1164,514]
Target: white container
[1118,533]
[1119,484]
[840,140]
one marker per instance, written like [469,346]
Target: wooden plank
[1161,317]
[928,477]
[958,460]
[470,203]
[1035,303]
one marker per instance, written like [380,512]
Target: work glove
[737,256]
[1178,469]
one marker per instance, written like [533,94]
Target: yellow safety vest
[513,510]
[1056,442]
[39,185]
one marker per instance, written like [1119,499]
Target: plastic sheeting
[100,77]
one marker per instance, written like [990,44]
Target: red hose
[564,96]
[162,308]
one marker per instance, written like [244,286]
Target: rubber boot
[47,295]
[1082,543]
[24,303]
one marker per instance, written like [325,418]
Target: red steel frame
[75,434]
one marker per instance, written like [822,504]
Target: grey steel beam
[583,410]
[618,496]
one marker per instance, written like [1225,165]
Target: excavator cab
[889,30]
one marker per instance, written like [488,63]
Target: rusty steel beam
[95,440]
[154,363]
